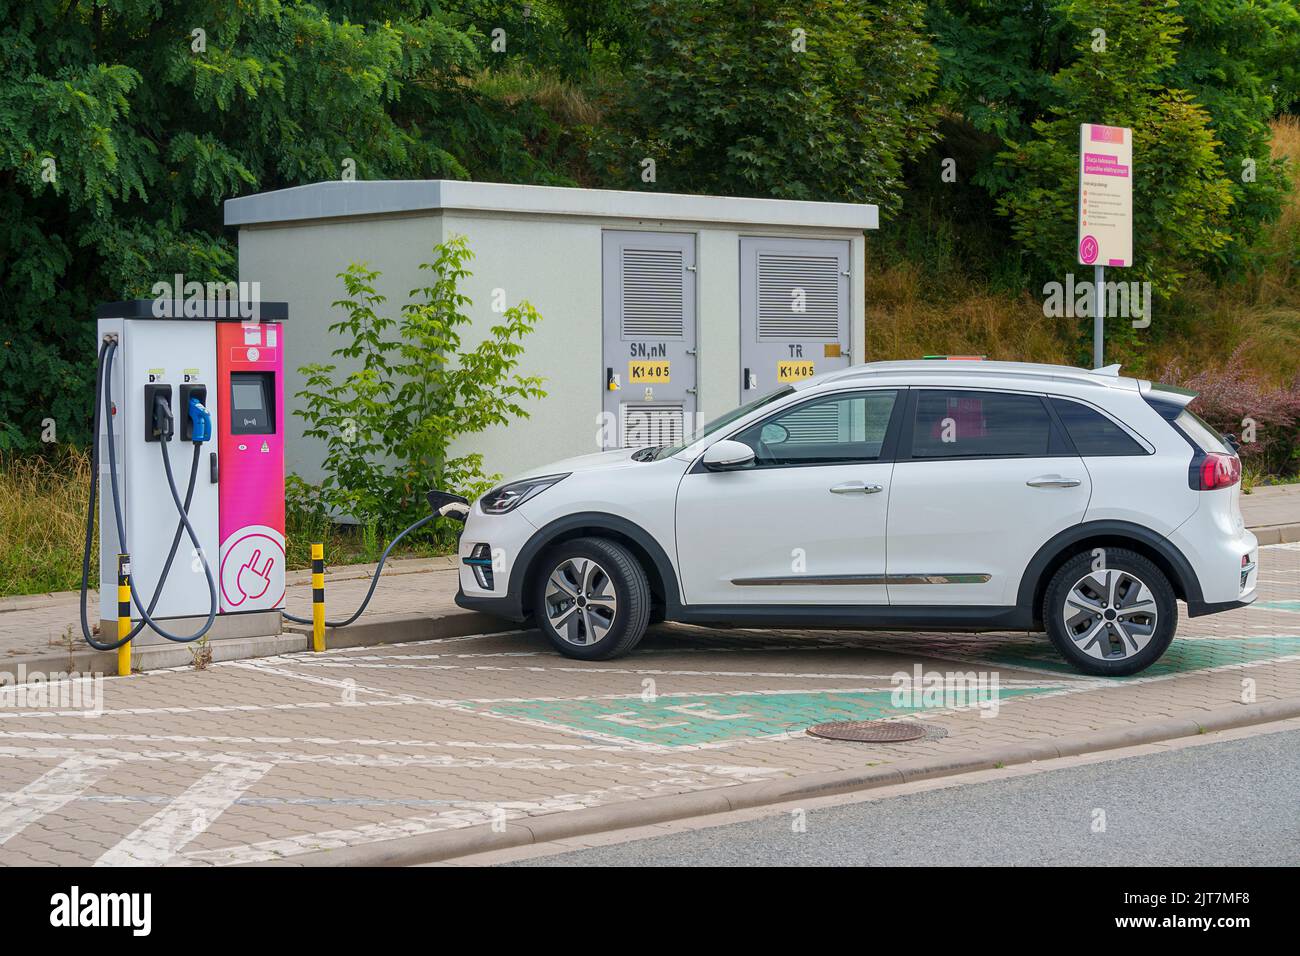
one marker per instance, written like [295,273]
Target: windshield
[667,451]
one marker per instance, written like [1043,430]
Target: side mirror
[727,455]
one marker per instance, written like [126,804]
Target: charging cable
[202,425]
[374,580]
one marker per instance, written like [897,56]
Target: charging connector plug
[200,422]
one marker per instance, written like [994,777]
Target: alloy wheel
[1110,614]
[580,602]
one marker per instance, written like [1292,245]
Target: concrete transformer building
[659,311]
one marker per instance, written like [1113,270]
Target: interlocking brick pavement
[268,759]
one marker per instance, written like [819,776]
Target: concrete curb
[1277,533]
[448,844]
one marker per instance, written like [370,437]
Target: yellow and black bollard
[124,614]
[318,597]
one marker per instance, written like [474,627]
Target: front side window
[1093,434]
[735,415]
[837,429]
[973,424]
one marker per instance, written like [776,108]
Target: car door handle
[856,488]
[1053,481]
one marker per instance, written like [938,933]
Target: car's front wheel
[1113,616]
[591,599]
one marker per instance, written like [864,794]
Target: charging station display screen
[252,411]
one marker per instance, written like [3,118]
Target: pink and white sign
[1105,195]
[250,445]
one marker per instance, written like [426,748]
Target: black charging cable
[103,400]
[374,580]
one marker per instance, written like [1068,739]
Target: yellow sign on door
[638,372]
[793,371]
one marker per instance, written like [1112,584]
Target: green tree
[124,124]
[390,422]
[1181,194]
[1241,61]
[817,100]
[1001,66]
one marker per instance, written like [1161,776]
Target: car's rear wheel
[1110,616]
[591,599]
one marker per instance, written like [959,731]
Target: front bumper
[502,538]
[507,606]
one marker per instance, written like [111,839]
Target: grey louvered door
[648,317]
[794,311]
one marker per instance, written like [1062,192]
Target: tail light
[1218,470]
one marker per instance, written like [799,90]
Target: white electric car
[931,495]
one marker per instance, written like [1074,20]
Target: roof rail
[1103,378]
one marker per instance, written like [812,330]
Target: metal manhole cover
[870,731]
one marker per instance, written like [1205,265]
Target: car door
[805,524]
[984,478]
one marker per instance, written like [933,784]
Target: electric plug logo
[252,570]
[252,582]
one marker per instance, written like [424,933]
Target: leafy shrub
[388,425]
[1239,401]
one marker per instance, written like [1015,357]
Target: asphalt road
[1234,803]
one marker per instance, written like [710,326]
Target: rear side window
[1093,433]
[1201,433]
[970,424]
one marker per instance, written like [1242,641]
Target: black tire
[1106,631]
[619,572]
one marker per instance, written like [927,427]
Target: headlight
[508,497]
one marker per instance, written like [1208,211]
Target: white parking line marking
[394,761]
[453,705]
[156,841]
[313,741]
[464,814]
[49,792]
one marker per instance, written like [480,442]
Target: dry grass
[565,102]
[42,521]
[902,323]
[42,527]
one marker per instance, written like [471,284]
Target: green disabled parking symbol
[683,720]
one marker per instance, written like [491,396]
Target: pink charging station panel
[250,460]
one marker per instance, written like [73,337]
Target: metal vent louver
[779,276]
[644,425]
[653,294]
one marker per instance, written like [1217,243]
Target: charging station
[196,402]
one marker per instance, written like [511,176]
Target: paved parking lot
[269,759]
